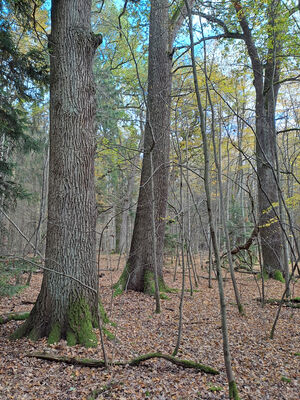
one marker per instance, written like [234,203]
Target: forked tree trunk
[67,304]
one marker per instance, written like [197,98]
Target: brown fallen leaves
[265,369]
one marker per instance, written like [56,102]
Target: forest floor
[264,368]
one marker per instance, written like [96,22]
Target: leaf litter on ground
[264,368]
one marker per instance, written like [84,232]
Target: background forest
[196,173]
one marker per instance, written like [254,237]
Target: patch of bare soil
[264,368]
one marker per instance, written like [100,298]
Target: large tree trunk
[140,268]
[265,79]
[67,304]
[139,271]
[266,142]
[270,231]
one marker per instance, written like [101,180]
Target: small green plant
[297,354]
[285,379]
[265,275]
[213,388]
[278,276]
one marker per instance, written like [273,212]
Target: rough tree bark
[67,303]
[265,78]
[139,271]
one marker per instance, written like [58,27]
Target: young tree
[67,304]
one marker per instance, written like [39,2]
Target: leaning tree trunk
[67,304]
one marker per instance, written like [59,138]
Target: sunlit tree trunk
[139,272]
[265,78]
[67,304]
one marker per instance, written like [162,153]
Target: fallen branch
[293,303]
[94,363]
[246,245]
[14,316]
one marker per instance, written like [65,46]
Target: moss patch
[149,284]
[108,334]
[265,275]
[103,315]
[120,286]
[55,334]
[278,276]
[213,388]
[80,321]
[71,338]
[233,391]
[14,317]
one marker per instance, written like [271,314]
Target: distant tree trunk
[67,308]
[139,272]
[124,226]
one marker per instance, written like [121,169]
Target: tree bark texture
[265,78]
[157,141]
[67,304]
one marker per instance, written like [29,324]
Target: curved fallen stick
[94,363]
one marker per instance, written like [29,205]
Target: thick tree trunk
[266,96]
[140,269]
[67,304]
[270,232]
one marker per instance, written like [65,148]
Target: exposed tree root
[14,316]
[94,363]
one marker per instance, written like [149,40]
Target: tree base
[233,391]
[78,326]
[148,286]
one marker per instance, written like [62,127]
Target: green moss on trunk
[120,286]
[233,391]
[55,334]
[71,338]
[81,326]
[149,284]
